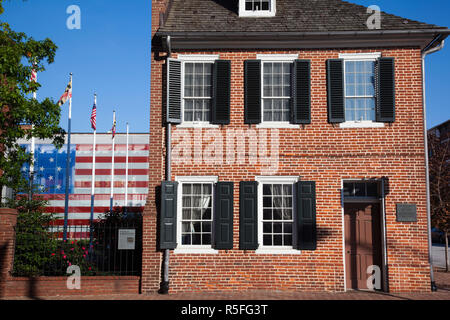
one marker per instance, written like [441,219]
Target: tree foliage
[439,166]
[21,116]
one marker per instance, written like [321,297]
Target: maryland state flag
[113,129]
[66,95]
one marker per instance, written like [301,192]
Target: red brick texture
[317,152]
[8,220]
[57,286]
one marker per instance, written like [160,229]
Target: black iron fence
[105,248]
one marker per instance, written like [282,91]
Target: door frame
[381,201]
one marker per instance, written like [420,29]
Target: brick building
[296,156]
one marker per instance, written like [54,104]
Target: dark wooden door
[362,242]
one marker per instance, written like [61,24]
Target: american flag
[93,117]
[33,77]
[50,168]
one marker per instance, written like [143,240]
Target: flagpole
[112,162]
[93,178]
[32,147]
[66,199]
[126,175]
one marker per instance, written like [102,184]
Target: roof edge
[267,40]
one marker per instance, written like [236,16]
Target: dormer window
[257,8]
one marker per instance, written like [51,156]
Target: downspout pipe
[164,287]
[425,53]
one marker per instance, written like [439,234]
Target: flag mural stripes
[51,168]
[126,169]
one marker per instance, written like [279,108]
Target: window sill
[277,251]
[195,251]
[198,125]
[277,125]
[361,124]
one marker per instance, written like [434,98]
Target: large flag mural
[50,174]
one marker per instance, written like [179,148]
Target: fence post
[8,221]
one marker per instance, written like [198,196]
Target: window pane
[372,189]
[186,239]
[206,239]
[196,214]
[267,214]
[277,228]
[186,214]
[277,84]
[197,83]
[277,240]
[267,190]
[360,189]
[348,189]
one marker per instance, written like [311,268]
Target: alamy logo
[233,146]
[374,21]
[374,280]
[74,280]
[74,20]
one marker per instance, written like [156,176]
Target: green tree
[439,168]
[21,116]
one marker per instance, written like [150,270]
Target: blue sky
[111,56]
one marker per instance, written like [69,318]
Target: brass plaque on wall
[406,213]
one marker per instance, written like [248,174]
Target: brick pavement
[442,281]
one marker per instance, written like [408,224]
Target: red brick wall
[319,152]
[56,286]
[151,259]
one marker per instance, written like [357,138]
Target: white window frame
[274,180]
[367,56]
[274,58]
[255,14]
[193,249]
[195,58]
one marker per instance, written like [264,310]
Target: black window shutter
[335,88]
[220,113]
[252,112]
[301,92]
[385,83]
[306,232]
[173,91]
[248,215]
[223,216]
[168,218]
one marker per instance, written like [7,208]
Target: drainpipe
[164,288]
[425,53]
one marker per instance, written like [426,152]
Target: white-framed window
[359,90]
[276,93]
[276,198]
[196,84]
[195,214]
[276,89]
[257,8]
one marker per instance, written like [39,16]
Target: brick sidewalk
[442,281]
